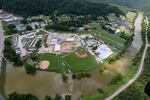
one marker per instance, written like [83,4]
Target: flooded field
[46,83]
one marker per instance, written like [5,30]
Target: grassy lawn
[41,32]
[131,16]
[80,64]
[111,39]
[53,59]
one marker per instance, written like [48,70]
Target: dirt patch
[81,54]
[44,65]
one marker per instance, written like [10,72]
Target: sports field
[54,63]
[77,61]
[80,63]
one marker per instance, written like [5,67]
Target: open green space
[41,32]
[80,64]
[131,16]
[112,39]
[53,60]
[70,62]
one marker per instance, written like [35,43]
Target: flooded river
[46,83]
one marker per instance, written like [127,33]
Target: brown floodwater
[48,83]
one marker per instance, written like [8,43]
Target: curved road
[138,23]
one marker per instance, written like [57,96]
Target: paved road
[1,42]
[140,69]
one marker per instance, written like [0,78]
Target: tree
[28,28]
[38,44]
[64,78]
[49,7]
[24,21]
[116,79]
[147,89]
[11,55]
[30,69]
[57,97]
[16,96]
[34,55]
[47,98]
[11,26]
[74,76]
[68,97]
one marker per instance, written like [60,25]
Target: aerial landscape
[74,50]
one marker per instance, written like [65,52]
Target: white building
[57,47]
[70,39]
[104,52]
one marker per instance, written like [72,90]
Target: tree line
[47,7]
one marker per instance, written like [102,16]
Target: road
[1,42]
[141,66]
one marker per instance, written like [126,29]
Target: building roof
[104,51]
[70,39]
[57,47]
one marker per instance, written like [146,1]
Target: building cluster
[115,24]
[26,43]
[96,47]
[60,43]
[11,19]
[37,22]
[55,43]
[22,24]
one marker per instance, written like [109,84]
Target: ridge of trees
[47,7]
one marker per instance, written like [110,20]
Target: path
[140,69]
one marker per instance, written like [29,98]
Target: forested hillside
[139,4]
[129,3]
[36,7]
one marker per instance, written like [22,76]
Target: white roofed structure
[57,47]
[104,51]
[70,39]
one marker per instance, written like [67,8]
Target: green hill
[47,7]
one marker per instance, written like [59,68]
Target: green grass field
[111,39]
[131,16]
[41,32]
[70,62]
[80,64]
[53,59]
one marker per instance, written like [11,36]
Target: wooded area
[47,7]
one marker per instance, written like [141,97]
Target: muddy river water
[46,83]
